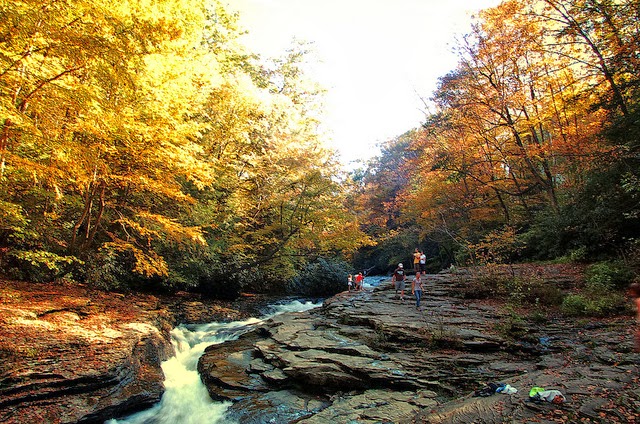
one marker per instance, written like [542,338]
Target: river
[186,400]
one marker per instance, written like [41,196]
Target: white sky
[378,57]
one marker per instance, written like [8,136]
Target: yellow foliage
[146,263]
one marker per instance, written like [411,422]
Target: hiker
[416,289]
[423,262]
[398,280]
[359,281]
[634,291]
[350,281]
[416,260]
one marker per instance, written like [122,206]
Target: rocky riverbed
[70,354]
[368,357]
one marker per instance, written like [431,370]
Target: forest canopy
[531,148]
[143,147]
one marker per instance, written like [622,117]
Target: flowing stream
[186,400]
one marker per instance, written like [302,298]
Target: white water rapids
[185,400]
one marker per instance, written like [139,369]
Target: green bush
[602,294]
[484,287]
[608,275]
[107,270]
[542,293]
[39,265]
[598,306]
[574,305]
[518,290]
[322,277]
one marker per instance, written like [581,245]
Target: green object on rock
[535,390]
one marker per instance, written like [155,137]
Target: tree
[517,131]
[147,143]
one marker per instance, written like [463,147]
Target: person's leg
[418,296]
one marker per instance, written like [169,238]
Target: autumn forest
[143,147]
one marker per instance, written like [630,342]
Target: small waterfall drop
[186,400]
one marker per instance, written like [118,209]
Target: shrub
[39,265]
[322,277]
[543,293]
[478,288]
[574,305]
[485,282]
[600,306]
[517,289]
[602,295]
[609,275]
[106,270]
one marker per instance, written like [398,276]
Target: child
[634,291]
[359,281]
[350,281]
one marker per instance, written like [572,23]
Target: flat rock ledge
[368,357]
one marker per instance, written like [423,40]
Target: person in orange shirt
[416,260]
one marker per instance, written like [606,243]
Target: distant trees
[143,147]
[534,136]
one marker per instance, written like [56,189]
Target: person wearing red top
[359,280]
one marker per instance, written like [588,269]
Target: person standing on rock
[416,260]
[350,281]
[359,281]
[416,289]
[423,262]
[398,280]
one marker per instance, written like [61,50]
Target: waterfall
[186,400]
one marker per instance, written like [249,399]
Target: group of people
[398,279]
[355,285]
[419,261]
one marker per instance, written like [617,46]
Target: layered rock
[72,354]
[369,357]
[69,354]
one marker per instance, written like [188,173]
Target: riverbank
[369,357]
[72,354]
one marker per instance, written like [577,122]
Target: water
[186,400]
[370,282]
